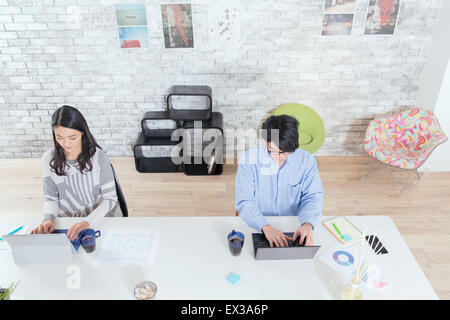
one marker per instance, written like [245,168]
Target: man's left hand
[305,231]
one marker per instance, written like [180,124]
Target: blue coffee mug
[87,239]
[235,242]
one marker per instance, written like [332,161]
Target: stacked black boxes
[196,148]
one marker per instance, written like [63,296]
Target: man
[279,179]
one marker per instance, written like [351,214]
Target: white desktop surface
[193,261]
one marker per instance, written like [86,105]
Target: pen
[342,237]
[14,231]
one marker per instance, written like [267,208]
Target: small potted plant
[6,293]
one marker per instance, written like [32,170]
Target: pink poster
[382,16]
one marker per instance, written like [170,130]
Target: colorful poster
[177,25]
[133,37]
[382,16]
[132,25]
[339,6]
[338,17]
[337,24]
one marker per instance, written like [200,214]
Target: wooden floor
[422,214]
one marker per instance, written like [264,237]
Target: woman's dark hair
[287,127]
[70,117]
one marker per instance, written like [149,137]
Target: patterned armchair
[404,140]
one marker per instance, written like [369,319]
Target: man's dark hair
[287,134]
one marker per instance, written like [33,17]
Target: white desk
[193,260]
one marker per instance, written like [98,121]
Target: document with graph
[129,247]
[343,230]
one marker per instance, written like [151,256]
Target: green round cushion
[311,132]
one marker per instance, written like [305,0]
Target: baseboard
[435,166]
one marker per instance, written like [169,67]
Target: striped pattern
[404,140]
[90,194]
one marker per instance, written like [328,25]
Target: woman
[77,176]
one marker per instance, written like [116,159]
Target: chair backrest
[412,128]
[120,196]
[404,140]
[311,131]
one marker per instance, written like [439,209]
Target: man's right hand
[275,237]
[47,226]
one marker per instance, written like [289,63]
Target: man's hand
[72,233]
[305,231]
[47,226]
[275,236]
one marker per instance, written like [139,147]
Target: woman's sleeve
[107,190]
[51,195]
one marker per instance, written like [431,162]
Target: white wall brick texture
[50,56]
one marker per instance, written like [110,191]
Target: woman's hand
[305,231]
[275,237]
[47,226]
[74,230]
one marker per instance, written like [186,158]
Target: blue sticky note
[233,278]
[347,237]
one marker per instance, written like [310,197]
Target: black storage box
[197,164]
[189,102]
[159,163]
[161,125]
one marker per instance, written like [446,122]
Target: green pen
[342,237]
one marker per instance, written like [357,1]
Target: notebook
[343,230]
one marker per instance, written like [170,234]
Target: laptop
[40,248]
[263,251]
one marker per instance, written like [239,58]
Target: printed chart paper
[129,247]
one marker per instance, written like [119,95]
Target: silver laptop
[263,251]
[40,248]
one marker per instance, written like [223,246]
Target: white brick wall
[55,52]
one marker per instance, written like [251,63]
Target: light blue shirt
[265,189]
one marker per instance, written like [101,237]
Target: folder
[343,230]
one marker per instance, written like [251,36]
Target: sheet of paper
[5,229]
[129,247]
[342,260]
[347,233]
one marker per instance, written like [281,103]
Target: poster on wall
[339,6]
[177,25]
[132,25]
[338,17]
[337,24]
[382,16]
[224,27]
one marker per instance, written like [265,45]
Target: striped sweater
[91,194]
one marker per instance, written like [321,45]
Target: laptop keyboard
[262,242]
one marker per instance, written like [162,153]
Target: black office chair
[120,196]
